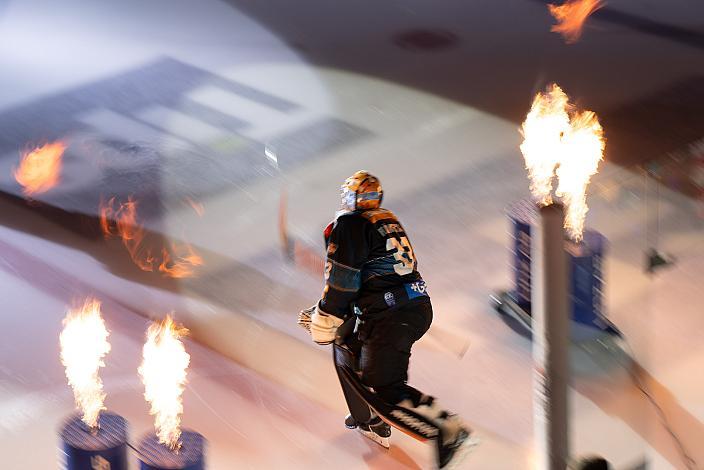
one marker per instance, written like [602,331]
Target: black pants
[383,346]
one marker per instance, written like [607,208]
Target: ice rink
[208,113]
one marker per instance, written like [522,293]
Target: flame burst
[40,168]
[127,228]
[182,265]
[546,123]
[83,345]
[163,372]
[561,141]
[571,17]
[583,150]
[179,265]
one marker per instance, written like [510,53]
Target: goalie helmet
[361,191]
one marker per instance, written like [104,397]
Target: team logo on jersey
[389,299]
[416,289]
[332,248]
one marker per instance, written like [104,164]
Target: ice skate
[451,455]
[377,430]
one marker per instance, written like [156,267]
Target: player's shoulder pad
[376,215]
[350,220]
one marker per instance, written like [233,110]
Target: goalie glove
[323,326]
[304,317]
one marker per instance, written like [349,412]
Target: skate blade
[382,441]
[464,450]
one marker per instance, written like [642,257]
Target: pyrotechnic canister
[156,456]
[585,260]
[523,216]
[586,286]
[103,448]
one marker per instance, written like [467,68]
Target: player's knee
[391,394]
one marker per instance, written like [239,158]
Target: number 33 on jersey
[403,254]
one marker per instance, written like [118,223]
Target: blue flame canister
[156,456]
[523,216]
[585,269]
[586,286]
[104,448]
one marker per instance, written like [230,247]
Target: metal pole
[550,318]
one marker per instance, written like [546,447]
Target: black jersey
[370,262]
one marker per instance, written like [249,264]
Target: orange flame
[584,149]
[40,168]
[127,227]
[546,123]
[83,345]
[182,266]
[571,17]
[163,372]
[559,141]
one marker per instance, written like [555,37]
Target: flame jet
[571,17]
[121,220]
[163,371]
[84,343]
[40,168]
[560,141]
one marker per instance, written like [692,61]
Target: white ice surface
[249,421]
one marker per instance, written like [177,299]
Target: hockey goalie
[374,307]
